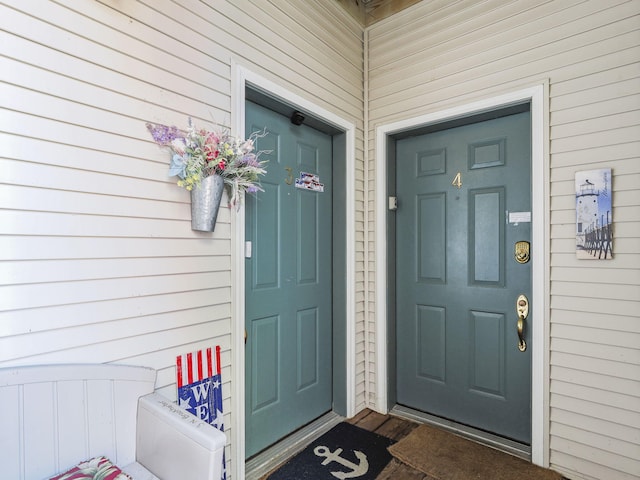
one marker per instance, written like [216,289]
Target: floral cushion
[98,468]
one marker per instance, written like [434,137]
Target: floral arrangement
[198,153]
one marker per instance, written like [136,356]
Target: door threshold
[267,460]
[491,440]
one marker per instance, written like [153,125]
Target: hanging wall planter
[204,161]
[205,202]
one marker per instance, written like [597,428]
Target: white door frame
[241,78]
[538,96]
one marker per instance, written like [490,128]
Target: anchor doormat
[344,452]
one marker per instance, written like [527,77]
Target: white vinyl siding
[99,262]
[439,54]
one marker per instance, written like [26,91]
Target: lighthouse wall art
[594,215]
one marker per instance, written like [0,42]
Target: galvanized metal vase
[205,202]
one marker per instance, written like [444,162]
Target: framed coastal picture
[594,215]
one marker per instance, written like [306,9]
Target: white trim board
[539,368]
[241,78]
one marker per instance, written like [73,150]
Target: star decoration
[186,403]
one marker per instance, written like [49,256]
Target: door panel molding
[486,233]
[267,329]
[243,77]
[538,96]
[431,268]
[488,375]
[431,331]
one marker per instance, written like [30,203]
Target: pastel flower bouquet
[199,153]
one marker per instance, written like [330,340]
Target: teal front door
[288,298]
[464,203]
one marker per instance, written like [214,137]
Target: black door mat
[344,452]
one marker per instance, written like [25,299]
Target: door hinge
[247,249]
[393,203]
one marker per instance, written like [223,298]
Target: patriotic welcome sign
[199,382]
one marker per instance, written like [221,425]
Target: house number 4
[457,181]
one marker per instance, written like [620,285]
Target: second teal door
[464,206]
[288,282]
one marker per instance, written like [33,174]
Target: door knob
[522,309]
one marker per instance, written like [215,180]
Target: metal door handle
[522,309]
[522,344]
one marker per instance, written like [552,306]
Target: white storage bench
[53,417]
